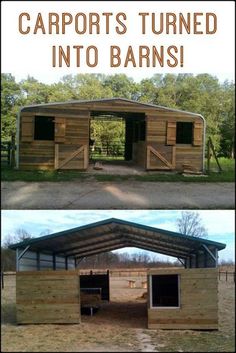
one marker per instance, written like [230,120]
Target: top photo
[117,110]
[118,152]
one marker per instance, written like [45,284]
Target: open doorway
[119,303]
[118,138]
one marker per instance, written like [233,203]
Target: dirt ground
[119,326]
[115,168]
[117,195]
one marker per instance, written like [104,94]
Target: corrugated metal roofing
[112,234]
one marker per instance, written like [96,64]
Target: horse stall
[57,135]
[183,298]
[51,289]
[48,297]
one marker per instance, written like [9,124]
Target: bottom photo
[131,280]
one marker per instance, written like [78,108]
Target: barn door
[71,157]
[161,157]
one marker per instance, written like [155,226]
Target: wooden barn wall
[33,261]
[157,138]
[198,301]
[50,297]
[139,153]
[40,154]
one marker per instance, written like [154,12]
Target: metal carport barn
[46,295]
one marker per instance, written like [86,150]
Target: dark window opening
[165,290]
[44,128]
[184,132]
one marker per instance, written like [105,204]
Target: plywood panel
[27,128]
[48,297]
[198,301]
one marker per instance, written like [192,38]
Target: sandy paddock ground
[118,326]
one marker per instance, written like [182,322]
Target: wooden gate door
[71,157]
[160,157]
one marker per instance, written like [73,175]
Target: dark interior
[44,128]
[184,132]
[165,290]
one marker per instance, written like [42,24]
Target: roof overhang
[112,234]
[113,103]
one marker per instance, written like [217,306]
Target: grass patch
[9,174]
[228,175]
[225,163]
[193,341]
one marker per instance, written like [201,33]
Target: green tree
[147,91]
[109,136]
[10,102]
[34,92]
[121,86]
[227,121]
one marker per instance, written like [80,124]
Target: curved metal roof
[77,103]
[112,234]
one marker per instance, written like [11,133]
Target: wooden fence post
[208,156]
[226,276]
[12,151]
[2,279]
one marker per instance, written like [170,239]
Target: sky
[31,54]
[220,224]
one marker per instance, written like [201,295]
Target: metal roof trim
[108,99]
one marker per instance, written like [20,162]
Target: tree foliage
[202,94]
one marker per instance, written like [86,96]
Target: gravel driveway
[117,195]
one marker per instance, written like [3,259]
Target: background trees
[202,94]
[190,223]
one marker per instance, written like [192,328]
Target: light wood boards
[198,301]
[47,297]
[72,121]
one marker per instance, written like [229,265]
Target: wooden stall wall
[73,152]
[69,150]
[162,150]
[198,301]
[49,297]
[33,154]
[70,147]
[139,153]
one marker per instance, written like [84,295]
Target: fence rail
[227,276]
[8,149]
[107,151]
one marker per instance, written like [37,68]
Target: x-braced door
[71,157]
[161,157]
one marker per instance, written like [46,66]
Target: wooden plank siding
[48,297]
[161,135]
[72,126]
[139,153]
[70,133]
[198,301]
